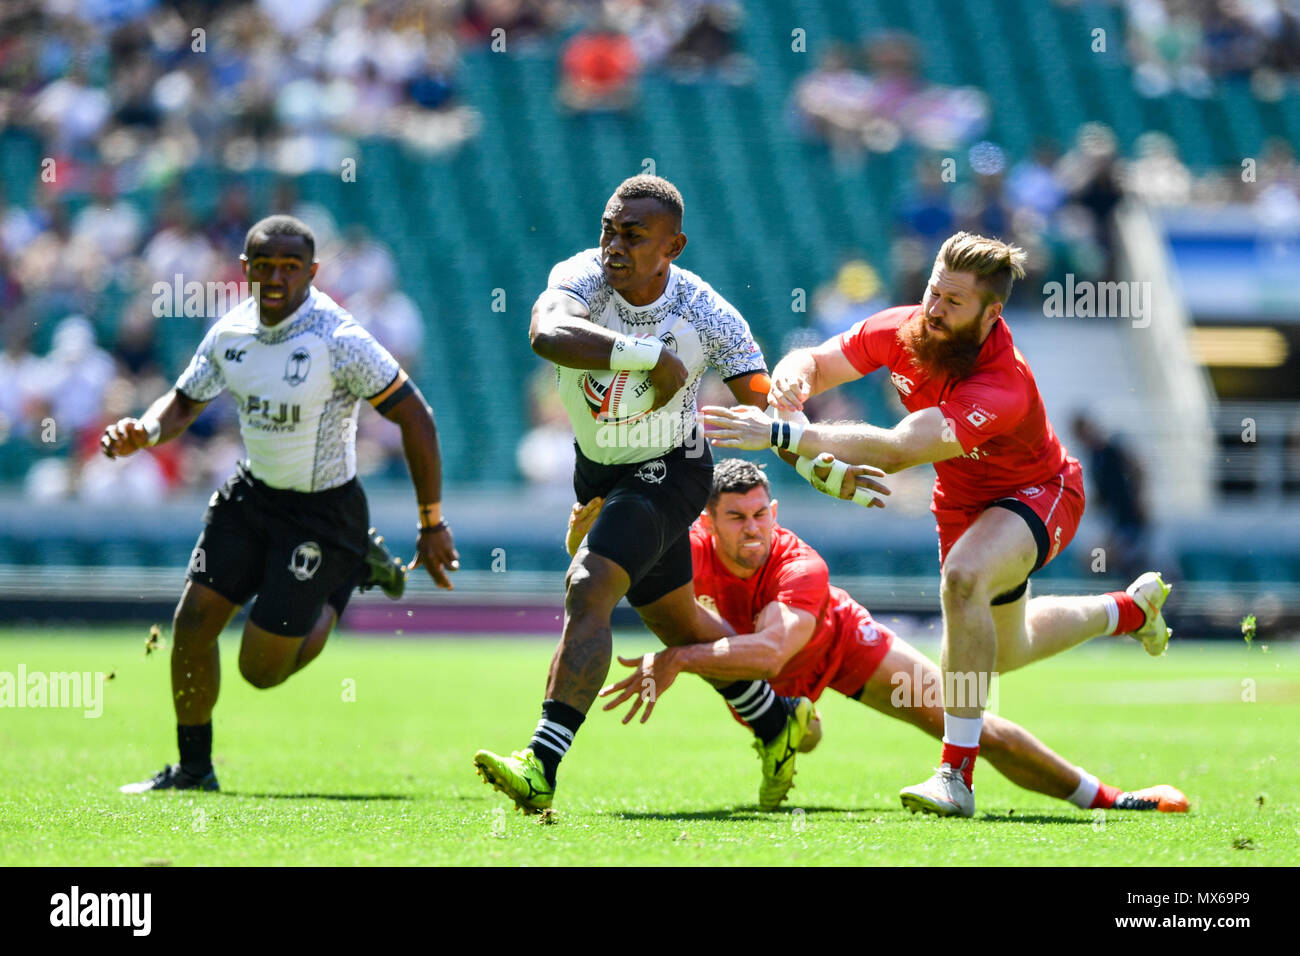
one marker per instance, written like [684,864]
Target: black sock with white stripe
[758,706]
[554,735]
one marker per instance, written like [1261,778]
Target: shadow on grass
[1032,818]
[317,796]
[735,814]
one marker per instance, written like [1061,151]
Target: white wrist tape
[831,484]
[863,497]
[153,428]
[634,354]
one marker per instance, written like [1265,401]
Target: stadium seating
[528,189]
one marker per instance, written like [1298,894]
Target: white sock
[962,731]
[1086,792]
[1112,613]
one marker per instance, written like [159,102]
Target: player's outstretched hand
[857,476]
[652,675]
[742,427]
[437,552]
[668,376]
[790,387]
[124,437]
[580,521]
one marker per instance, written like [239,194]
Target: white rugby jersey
[297,384]
[699,325]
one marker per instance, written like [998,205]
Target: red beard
[954,356]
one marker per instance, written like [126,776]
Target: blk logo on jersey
[670,341]
[285,418]
[296,369]
[235,355]
[305,560]
[653,472]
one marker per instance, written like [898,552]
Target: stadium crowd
[114,95]
[1186,45]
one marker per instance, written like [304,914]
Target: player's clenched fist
[124,437]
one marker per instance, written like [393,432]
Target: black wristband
[776,433]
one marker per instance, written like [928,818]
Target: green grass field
[310,778]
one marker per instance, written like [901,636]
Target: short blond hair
[994,263]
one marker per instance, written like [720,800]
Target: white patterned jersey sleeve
[582,278]
[729,346]
[203,380]
[360,364]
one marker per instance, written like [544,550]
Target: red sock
[1105,798]
[1131,617]
[961,758]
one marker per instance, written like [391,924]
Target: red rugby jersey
[793,574]
[996,412]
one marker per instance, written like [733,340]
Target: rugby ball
[618,397]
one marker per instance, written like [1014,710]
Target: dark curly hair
[653,187]
[738,476]
[281,225]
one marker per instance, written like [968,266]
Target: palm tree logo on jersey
[296,369]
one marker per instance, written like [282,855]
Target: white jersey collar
[278,330]
[669,287]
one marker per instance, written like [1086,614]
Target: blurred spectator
[1156,175]
[20,384]
[927,213]
[1033,184]
[598,71]
[545,453]
[1090,174]
[1185,45]
[691,38]
[354,264]
[889,102]
[1117,489]
[179,247]
[390,314]
[74,376]
[139,479]
[854,293]
[520,19]
[229,223]
[109,223]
